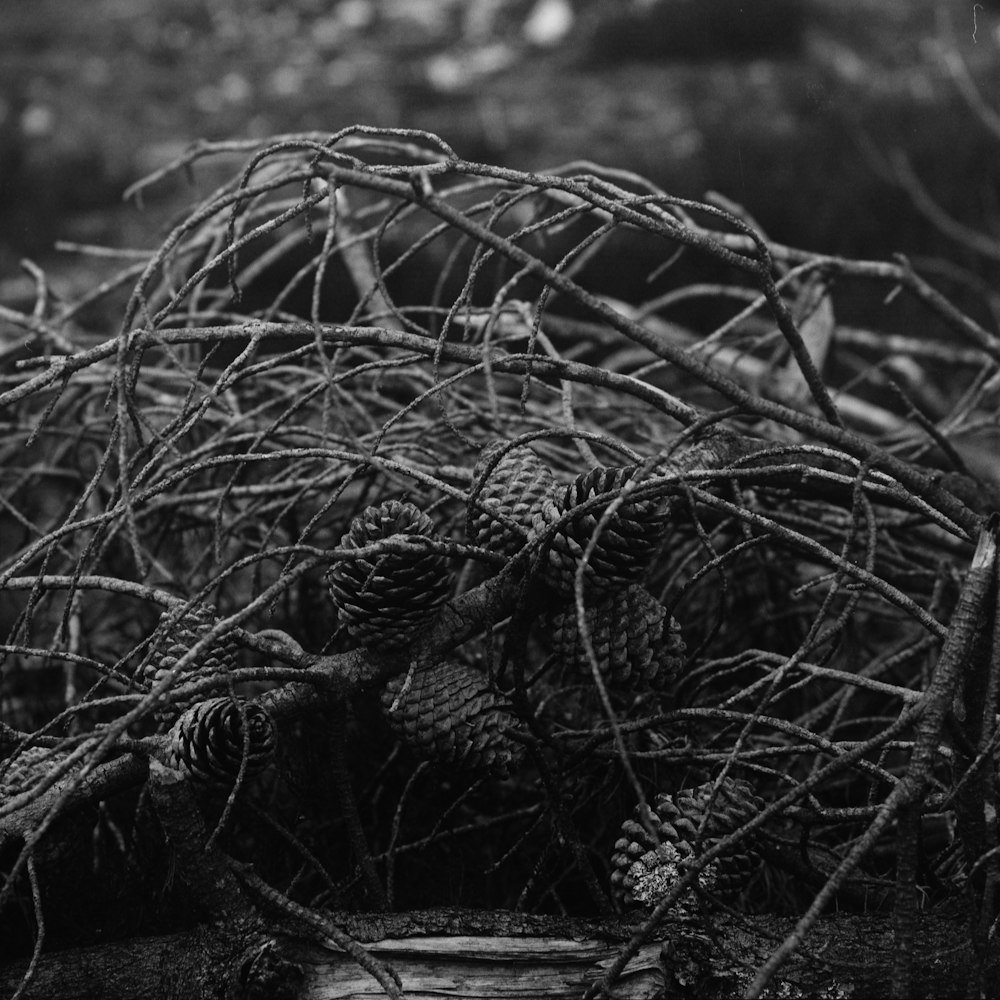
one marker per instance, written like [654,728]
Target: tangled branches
[446,576]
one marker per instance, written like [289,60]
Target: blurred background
[858,127]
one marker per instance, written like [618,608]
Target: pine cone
[632,638]
[516,488]
[171,642]
[386,600]
[625,545]
[646,867]
[26,768]
[450,715]
[207,740]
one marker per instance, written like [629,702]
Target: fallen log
[496,955]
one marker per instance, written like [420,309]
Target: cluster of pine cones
[393,578]
[594,535]
[216,739]
[386,596]
[593,538]
[393,588]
